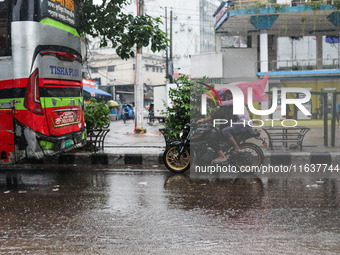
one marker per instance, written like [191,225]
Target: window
[5,43]
[110,68]
[94,69]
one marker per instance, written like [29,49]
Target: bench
[286,135]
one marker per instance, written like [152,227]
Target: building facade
[192,28]
[117,76]
[192,31]
[296,43]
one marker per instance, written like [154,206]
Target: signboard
[59,69]
[63,10]
[222,15]
[89,83]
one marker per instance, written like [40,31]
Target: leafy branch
[124,32]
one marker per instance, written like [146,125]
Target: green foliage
[277,7]
[255,6]
[96,114]
[336,4]
[186,106]
[315,5]
[179,112]
[122,31]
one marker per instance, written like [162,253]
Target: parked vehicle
[41,97]
[177,156]
[161,101]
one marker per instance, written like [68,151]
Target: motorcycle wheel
[251,155]
[175,164]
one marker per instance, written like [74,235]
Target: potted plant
[96,115]
[97,122]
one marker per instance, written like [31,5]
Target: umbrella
[112,103]
[257,86]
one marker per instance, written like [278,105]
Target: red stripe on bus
[62,82]
[20,83]
[17,83]
[59,86]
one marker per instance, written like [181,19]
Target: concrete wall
[239,64]
[231,65]
[209,64]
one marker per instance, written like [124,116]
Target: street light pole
[139,91]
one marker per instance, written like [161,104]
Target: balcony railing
[256,4]
[302,64]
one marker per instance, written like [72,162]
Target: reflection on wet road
[72,211]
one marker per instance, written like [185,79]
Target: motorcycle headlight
[181,134]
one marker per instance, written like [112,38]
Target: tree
[122,31]
[185,107]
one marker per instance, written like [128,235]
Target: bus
[41,97]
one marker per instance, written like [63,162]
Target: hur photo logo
[239,100]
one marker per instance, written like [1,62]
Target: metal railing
[302,64]
[253,4]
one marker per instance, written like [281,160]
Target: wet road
[70,211]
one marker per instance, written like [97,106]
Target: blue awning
[96,91]
[332,39]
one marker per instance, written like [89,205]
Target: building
[192,28]
[192,32]
[117,76]
[296,43]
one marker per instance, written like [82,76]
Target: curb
[105,159]
[140,159]
[302,158]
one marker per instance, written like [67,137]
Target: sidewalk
[123,147]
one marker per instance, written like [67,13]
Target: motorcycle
[127,112]
[177,156]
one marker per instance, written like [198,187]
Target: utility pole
[171,61]
[139,90]
[166,50]
[169,66]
